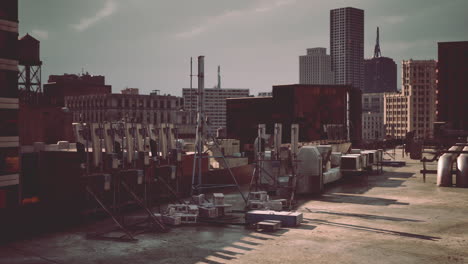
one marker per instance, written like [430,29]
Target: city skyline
[251,40]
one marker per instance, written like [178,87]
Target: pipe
[462,170]
[444,167]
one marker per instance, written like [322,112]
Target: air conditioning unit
[372,157]
[379,156]
[261,196]
[355,151]
[365,160]
[351,162]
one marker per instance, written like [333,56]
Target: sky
[147,44]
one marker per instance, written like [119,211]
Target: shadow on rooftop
[371,229]
[364,216]
[357,199]
[362,184]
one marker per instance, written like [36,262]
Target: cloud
[215,21]
[40,34]
[273,5]
[109,9]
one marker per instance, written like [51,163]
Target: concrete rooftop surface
[393,217]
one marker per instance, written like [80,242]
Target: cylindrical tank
[462,170]
[444,167]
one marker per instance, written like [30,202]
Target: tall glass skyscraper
[347,45]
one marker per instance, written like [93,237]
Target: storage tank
[29,51]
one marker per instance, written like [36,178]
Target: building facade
[315,67]
[413,109]
[347,46]
[215,104]
[60,86]
[373,116]
[9,105]
[313,107]
[380,75]
[452,87]
[139,108]
[152,109]
[265,94]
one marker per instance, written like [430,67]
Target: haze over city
[148,44]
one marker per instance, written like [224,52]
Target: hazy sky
[148,43]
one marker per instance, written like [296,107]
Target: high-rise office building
[380,73]
[452,90]
[414,108]
[347,46]
[315,67]
[215,104]
[9,105]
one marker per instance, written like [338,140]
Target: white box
[208,212]
[174,220]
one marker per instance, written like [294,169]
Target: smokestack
[201,81]
[219,77]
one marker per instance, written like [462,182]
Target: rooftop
[392,217]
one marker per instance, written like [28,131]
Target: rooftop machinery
[121,161]
[205,142]
[275,168]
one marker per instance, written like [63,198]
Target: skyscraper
[452,90]
[347,45]
[315,67]
[380,73]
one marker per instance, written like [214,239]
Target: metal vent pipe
[462,170]
[444,167]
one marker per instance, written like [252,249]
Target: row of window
[162,117]
[163,104]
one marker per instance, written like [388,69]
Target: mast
[377,52]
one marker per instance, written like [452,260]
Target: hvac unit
[379,156]
[372,157]
[335,159]
[365,160]
[355,151]
[351,162]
